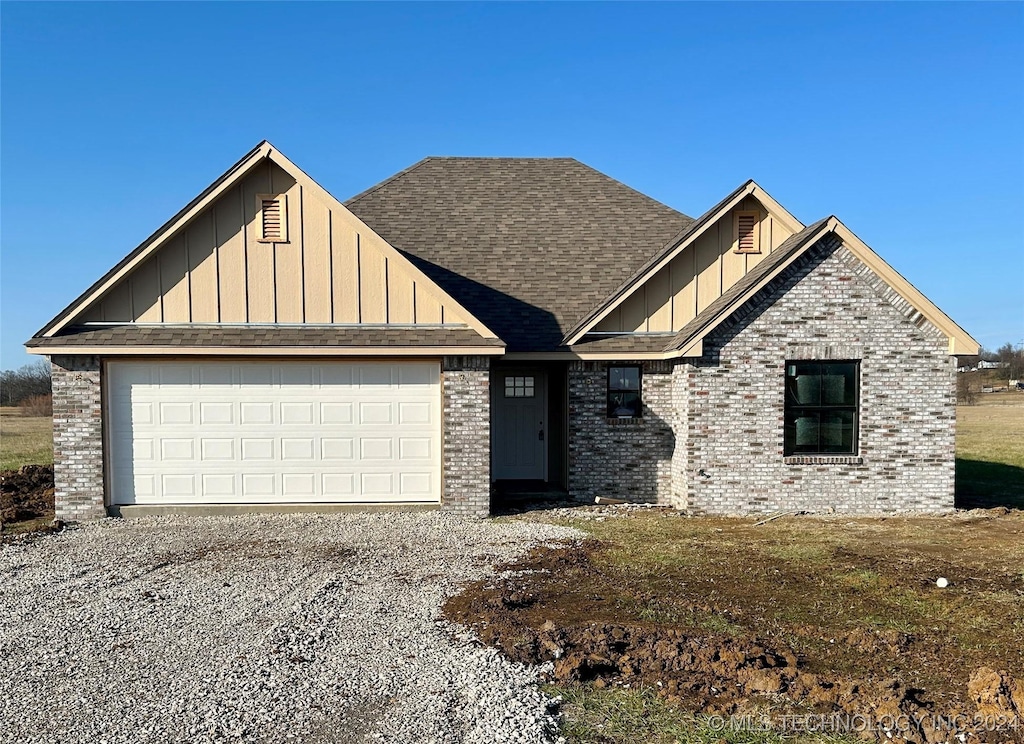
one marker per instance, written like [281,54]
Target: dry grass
[24,440]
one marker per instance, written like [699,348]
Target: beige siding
[331,270]
[202,260]
[697,276]
[316,253]
[145,288]
[231,250]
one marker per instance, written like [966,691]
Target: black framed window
[624,392]
[822,408]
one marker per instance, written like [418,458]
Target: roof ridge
[624,185]
[501,157]
[390,179]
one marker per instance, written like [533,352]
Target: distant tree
[964,391]
[1012,358]
[24,383]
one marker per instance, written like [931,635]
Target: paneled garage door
[210,432]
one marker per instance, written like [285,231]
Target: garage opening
[273,432]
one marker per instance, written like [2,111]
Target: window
[519,387]
[747,237]
[821,409]
[272,218]
[624,392]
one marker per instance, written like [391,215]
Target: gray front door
[519,428]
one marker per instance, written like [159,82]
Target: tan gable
[265,244]
[723,253]
[219,269]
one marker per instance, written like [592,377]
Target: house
[470,320]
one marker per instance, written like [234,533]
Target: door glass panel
[519,387]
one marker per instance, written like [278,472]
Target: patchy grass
[854,599]
[608,716]
[24,440]
[614,715]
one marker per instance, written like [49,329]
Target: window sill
[823,460]
[624,420]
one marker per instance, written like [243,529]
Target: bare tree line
[17,386]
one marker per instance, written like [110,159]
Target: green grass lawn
[24,440]
[990,451]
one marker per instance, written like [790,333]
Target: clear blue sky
[905,120]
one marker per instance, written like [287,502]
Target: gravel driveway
[265,628]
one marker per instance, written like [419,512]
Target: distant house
[470,320]
[989,365]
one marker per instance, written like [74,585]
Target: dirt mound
[719,673]
[996,694]
[26,493]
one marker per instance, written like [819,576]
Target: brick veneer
[77,438]
[828,305]
[711,440]
[467,435]
[622,458]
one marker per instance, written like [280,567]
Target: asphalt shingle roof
[257,336]
[528,245]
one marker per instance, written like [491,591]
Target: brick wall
[467,435]
[827,306]
[621,458]
[77,438]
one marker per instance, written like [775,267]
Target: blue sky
[905,120]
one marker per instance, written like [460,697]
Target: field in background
[990,451]
[24,440]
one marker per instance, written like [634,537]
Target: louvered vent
[746,229]
[273,218]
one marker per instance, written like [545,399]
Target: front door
[519,429]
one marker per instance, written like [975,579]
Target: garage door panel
[172,413]
[297,448]
[178,485]
[338,486]
[268,432]
[213,413]
[375,412]
[257,449]
[410,412]
[337,448]
[336,413]
[216,375]
[416,448]
[220,485]
[174,375]
[218,449]
[257,413]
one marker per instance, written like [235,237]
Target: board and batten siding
[216,270]
[697,276]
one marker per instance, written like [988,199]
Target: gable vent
[747,233]
[273,218]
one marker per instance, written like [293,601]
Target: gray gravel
[263,628]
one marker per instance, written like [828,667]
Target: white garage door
[209,433]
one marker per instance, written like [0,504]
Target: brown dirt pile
[716,673]
[26,493]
